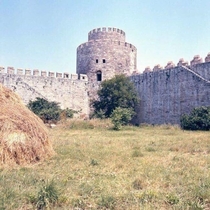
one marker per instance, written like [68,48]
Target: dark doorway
[99,75]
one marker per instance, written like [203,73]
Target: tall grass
[147,167]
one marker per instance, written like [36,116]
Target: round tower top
[107,33]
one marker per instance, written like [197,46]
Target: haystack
[23,136]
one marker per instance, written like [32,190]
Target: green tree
[198,119]
[116,92]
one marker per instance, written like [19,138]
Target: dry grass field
[95,167]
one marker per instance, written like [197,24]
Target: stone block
[19,71]
[10,70]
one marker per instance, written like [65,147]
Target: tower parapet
[106,33]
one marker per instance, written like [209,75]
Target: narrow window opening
[96,60]
[99,76]
[104,61]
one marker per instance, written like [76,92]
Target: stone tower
[106,54]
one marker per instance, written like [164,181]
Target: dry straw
[23,136]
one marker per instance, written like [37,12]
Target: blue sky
[44,34]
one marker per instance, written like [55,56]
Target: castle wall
[202,69]
[65,89]
[106,52]
[167,94]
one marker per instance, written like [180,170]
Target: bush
[49,111]
[41,104]
[121,116]
[69,112]
[50,115]
[198,119]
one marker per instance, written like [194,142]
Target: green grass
[146,167]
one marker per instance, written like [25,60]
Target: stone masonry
[106,54]
[165,93]
[66,89]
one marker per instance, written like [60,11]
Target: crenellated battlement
[111,42]
[106,29]
[195,61]
[106,33]
[36,73]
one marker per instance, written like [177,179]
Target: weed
[150,149]
[107,202]
[85,189]
[7,194]
[93,162]
[78,203]
[137,184]
[137,153]
[81,124]
[202,192]
[47,196]
[172,199]
[147,197]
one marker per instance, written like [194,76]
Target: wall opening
[104,61]
[96,60]
[99,76]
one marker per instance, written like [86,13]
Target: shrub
[198,119]
[49,111]
[50,115]
[69,112]
[121,116]
[41,104]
